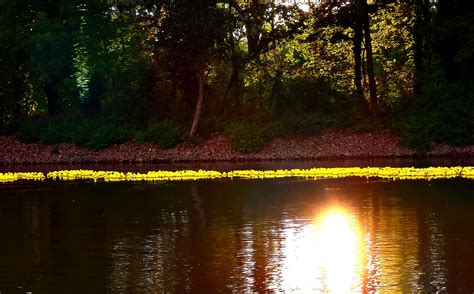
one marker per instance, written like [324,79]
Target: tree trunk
[357,49]
[421,18]
[373,103]
[197,113]
[51,92]
[364,71]
[233,78]
[450,45]
[253,27]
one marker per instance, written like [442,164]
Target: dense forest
[96,72]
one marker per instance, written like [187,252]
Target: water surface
[344,235]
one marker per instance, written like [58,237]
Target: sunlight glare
[339,251]
[324,255]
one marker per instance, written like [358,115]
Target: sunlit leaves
[392,39]
[82,72]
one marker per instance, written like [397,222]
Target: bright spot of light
[324,255]
[339,252]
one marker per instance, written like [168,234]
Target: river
[339,236]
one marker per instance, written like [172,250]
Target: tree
[363,9]
[15,30]
[190,38]
[422,19]
[259,27]
[355,15]
[51,50]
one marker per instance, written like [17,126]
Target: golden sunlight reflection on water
[338,248]
[325,254]
[365,243]
[341,236]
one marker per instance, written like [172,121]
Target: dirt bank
[332,144]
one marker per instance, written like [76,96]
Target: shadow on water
[342,235]
[226,166]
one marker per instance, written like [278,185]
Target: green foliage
[30,131]
[442,115]
[307,124]
[165,133]
[129,88]
[275,129]
[16,84]
[106,135]
[417,133]
[247,137]
[98,133]
[95,134]
[392,41]
[276,70]
[139,137]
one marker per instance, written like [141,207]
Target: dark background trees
[98,72]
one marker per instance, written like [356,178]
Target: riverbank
[331,144]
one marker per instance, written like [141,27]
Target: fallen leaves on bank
[332,144]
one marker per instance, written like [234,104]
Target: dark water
[225,166]
[342,236]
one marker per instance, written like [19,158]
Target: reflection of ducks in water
[332,189]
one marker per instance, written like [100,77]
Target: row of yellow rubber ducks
[13,177]
[314,173]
